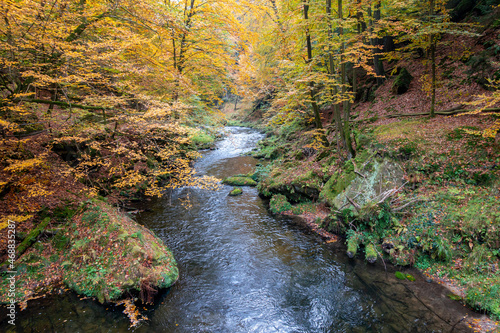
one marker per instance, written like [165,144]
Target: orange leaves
[132,312]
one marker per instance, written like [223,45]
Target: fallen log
[32,237]
[449,112]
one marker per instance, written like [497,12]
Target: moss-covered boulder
[363,180]
[236,191]
[239,181]
[109,255]
[402,82]
[302,185]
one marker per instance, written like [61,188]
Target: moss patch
[279,204]
[402,82]
[239,181]
[236,191]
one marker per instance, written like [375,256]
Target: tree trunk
[375,42]
[312,88]
[433,65]
[346,103]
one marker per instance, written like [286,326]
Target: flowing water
[245,270]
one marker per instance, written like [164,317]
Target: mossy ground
[100,254]
[204,138]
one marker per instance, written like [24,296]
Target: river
[243,269]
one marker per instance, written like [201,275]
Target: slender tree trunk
[331,70]
[180,56]
[346,104]
[375,42]
[312,88]
[236,103]
[433,64]
[360,28]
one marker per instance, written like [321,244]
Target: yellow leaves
[130,179]
[157,113]
[166,154]
[69,139]
[18,219]
[7,125]
[193,155]
[492,131]
[24,165]
[38,190]
[482,103]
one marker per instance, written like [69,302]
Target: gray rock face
[371,184]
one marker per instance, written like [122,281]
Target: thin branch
[406,204]
[44,101]
[353,203]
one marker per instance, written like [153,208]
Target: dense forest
[381,118]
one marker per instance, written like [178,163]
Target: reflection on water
[244,270]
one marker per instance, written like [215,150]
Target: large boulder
[402,82]
[363,180]
[108,255]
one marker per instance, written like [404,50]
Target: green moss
[353,241]
[410,277]
[202,140]
[394,130]
[402,82]
[32,236]
[341,180]
[454,297]
[98,274]
[336,185]
[236,191]
[279,204]
[370,253]
[239,181]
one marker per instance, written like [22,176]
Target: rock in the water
[112,256]
[239,181]
[236,191]
[371,253]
